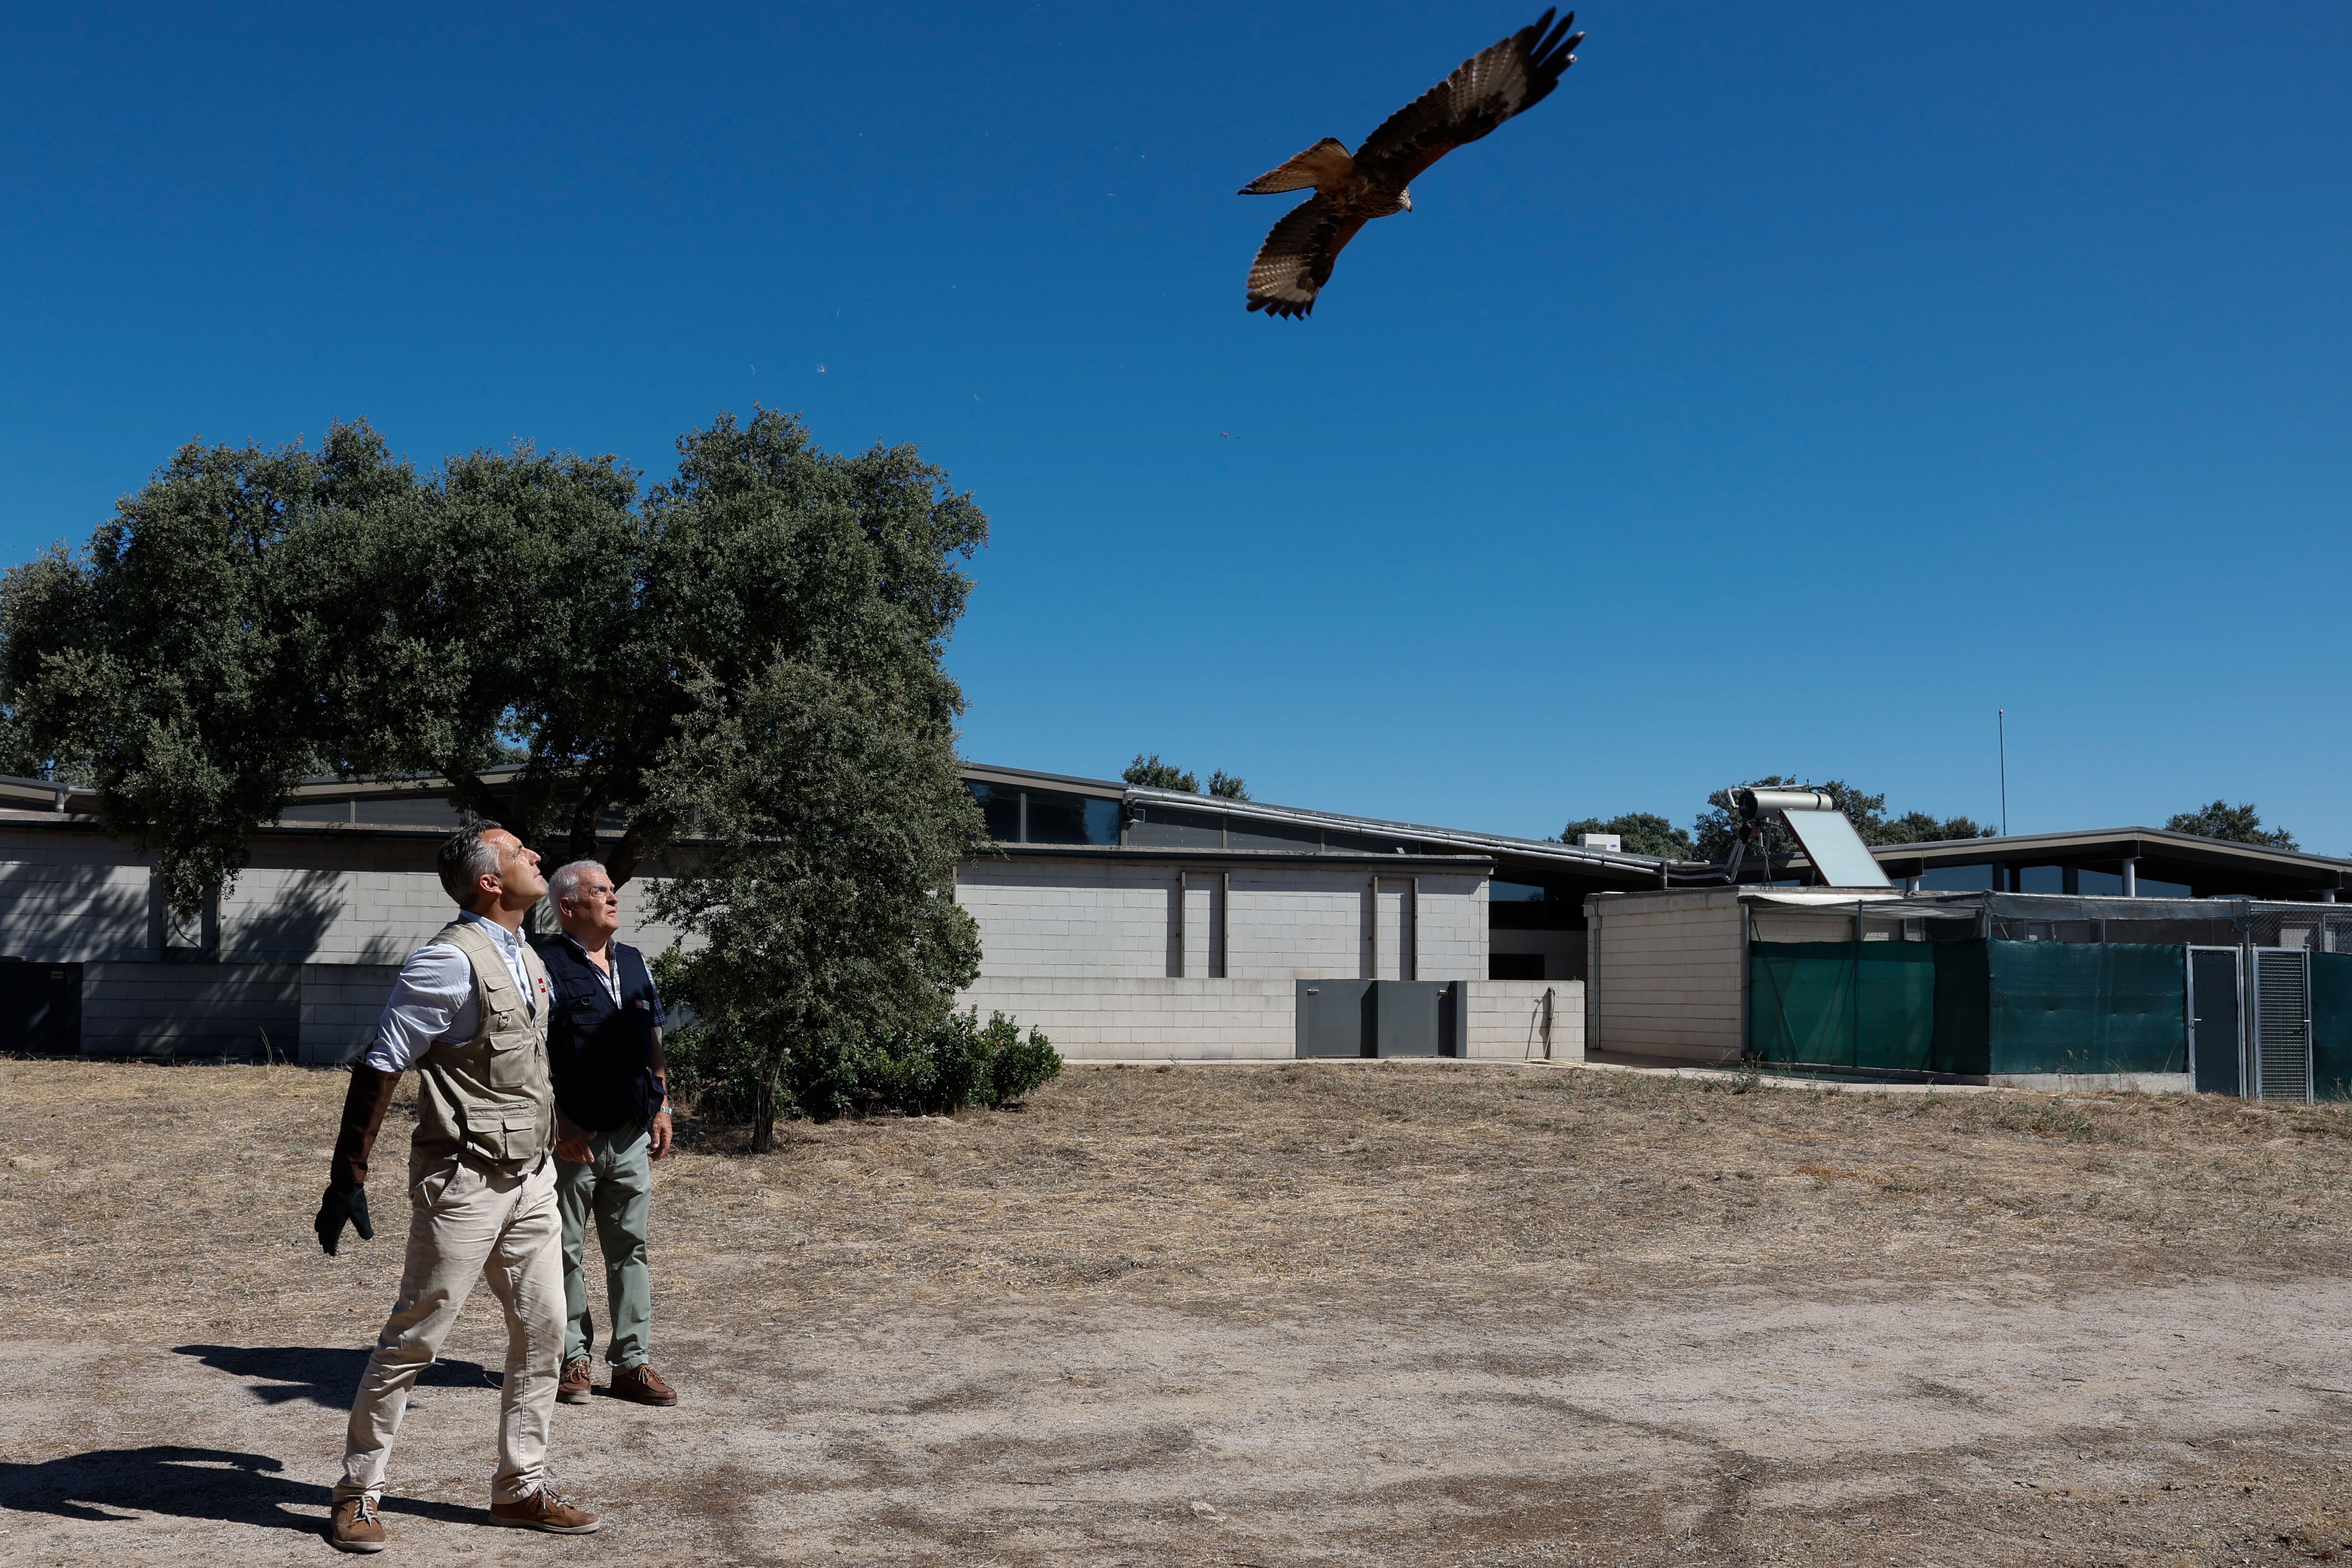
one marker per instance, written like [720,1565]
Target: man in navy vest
[604,1052]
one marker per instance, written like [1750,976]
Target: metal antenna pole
[2000,717]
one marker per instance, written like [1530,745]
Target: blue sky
[1791,390]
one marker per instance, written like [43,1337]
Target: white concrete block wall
[1204,939]
[325,900]
[341,1003]
[1285,922]
[1090,919]
[1507,1020]
[1450,928]
[1666,974]
[71,898]
[1150,1016]
[191,1010]
[1249,1020]
[363,901]
[1071,919]
[1392,928]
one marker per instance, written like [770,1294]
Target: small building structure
[2234,995]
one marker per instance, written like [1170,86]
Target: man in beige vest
[470,1014]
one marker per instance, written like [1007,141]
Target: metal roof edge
[1158,854]
[1093,786]
[2196,843]
[1549,849]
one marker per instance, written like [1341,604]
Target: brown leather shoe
[577,1381]
[354,1527]
[642,1384]
[545,1510]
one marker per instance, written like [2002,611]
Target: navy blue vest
[601,1055]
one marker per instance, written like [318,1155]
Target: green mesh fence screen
[1843,1003]
[1977,1007]
[2331,1026]
[2087,1006]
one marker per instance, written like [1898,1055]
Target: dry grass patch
[135,1193]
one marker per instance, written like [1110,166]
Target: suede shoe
[354,1527]
[643,1384]
[573,1389]
[543,1509]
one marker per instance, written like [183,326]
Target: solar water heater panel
[1839,857]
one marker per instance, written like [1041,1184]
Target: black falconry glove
[340,1204]
[364,1104]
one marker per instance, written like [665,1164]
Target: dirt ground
[1331,1313]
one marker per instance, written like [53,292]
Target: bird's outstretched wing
[1483,90]
[1295,260]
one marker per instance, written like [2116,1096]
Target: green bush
[934,1072]
[1017,1064]
[961,1062]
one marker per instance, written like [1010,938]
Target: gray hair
[465,860]
[565,883]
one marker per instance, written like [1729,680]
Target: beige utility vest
[490,1099]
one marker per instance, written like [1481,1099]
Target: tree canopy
[2240,824]
[252,616]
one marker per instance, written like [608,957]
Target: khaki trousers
[465,1225]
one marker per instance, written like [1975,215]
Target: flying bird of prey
[1486,89]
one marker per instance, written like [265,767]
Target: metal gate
[2281,1020]
[2217,1035]
[1383,1017]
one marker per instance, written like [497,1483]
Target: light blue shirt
[432,1000]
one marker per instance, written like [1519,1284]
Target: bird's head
[1405,200]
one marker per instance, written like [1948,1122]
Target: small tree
[834,814]
[1150,773]
[1225,786]
[2240,824]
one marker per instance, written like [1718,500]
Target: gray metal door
[1408,1018]
[2281,1020]
[1336,1018]
[2216,1027]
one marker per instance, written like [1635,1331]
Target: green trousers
[617,1188]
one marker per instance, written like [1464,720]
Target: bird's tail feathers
[1322,165]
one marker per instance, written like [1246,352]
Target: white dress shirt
[432,1000]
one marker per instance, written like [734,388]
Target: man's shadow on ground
[214,1483]
[325,1377]
[191,1483]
